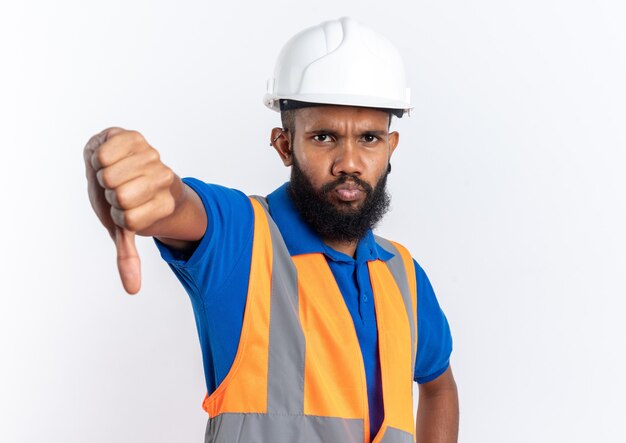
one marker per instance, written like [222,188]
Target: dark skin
[437,418]
[331,141]
[133,192]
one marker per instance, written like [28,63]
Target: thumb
[128,263]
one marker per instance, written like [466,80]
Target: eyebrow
[377,133]
[321,131]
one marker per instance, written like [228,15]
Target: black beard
[325,218]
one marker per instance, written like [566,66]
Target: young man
[312,329]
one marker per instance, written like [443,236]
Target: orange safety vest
[298,373]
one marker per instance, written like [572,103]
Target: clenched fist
[130,190]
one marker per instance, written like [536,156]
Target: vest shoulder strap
[403,271]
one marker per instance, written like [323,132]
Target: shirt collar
[301,239]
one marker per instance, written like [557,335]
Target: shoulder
[397,256]
[399,251]
[216,194]
[229,225]
[387,248]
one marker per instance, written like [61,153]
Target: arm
[186,225]
[132,191]
[438,411]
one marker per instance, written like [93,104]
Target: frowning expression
[342,150]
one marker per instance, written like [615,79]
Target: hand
[130,190]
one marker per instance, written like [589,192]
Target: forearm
[187,223]
[438,411]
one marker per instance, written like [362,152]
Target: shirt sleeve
[226,241]
[434,340]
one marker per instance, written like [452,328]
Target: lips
[348,192]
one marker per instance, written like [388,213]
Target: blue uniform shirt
[216,278]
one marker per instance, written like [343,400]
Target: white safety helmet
[339,62]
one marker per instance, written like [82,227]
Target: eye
[322,138]
[369,138]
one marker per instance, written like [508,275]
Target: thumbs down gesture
[130,190]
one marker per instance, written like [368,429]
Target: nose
[348,159]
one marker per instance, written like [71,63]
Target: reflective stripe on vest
[298,373]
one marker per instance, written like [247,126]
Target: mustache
[325,189]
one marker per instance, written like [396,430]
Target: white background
[508,187]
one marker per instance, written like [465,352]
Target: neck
[348,248]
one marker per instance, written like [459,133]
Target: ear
[281,142]
[394,139]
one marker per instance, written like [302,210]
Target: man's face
[333,143]
[340,157]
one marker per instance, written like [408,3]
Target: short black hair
[288,120]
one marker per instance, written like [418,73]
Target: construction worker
[312,329]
